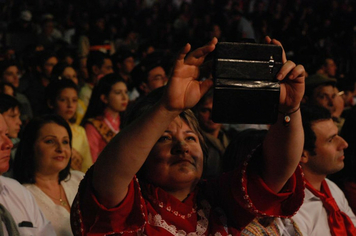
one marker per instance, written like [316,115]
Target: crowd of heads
[64,63]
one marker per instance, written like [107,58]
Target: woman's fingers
[197,56]
[183,52]
[286,68]
[297,72]
[276,42]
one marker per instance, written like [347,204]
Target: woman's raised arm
[283,146]
[128,150]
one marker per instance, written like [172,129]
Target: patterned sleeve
[89,216]
[243,194]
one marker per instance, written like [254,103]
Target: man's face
[5,146]
[204,117]
[106,68]
[330,67]
[324,95]
[12,119]
[156,78]
[48,66]
[127,65]
[329,149]
[12,76]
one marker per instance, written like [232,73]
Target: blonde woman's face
[176,160]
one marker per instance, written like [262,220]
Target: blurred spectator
[10,73]
[319,90]
[65,71]
[149,75]
[123,62]
[7,88]
[10,110]
[62,99]
[98,65]
[22,32]
[327,67]
[45,61]
[214,135]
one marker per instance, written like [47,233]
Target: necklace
[63,202]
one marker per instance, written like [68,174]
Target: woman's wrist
[287,115]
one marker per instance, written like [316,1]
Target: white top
[312,218]
[22,206]
[58,215]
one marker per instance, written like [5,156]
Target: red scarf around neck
[339,222]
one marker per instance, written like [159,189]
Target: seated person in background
[66,71]
[124,62]
[10,109]
[325,210]
[149,75]
[98,64]
[102,119]
[9,73]
[39,79]
[214,135]
[7,88]
[326,66]
[18,208]
[42,165]
[320,90]
[147,180]
[62,99]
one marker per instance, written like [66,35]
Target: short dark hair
[310,115]
[8,102]
[24,164]
[96,58]
[202,100]
[4,84]
[43,56]
[6,64]
[55,87]
[140,72]
[59,68]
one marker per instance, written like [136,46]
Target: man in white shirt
[325,210]
[19,212]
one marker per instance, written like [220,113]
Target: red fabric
[113,122]
[350,193]
[222,206]
[339,222]
[96,142]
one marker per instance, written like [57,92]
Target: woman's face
[118,98]
[66,103]
[70,73]
[52,149]
[176,160]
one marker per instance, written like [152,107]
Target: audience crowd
[106,119]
